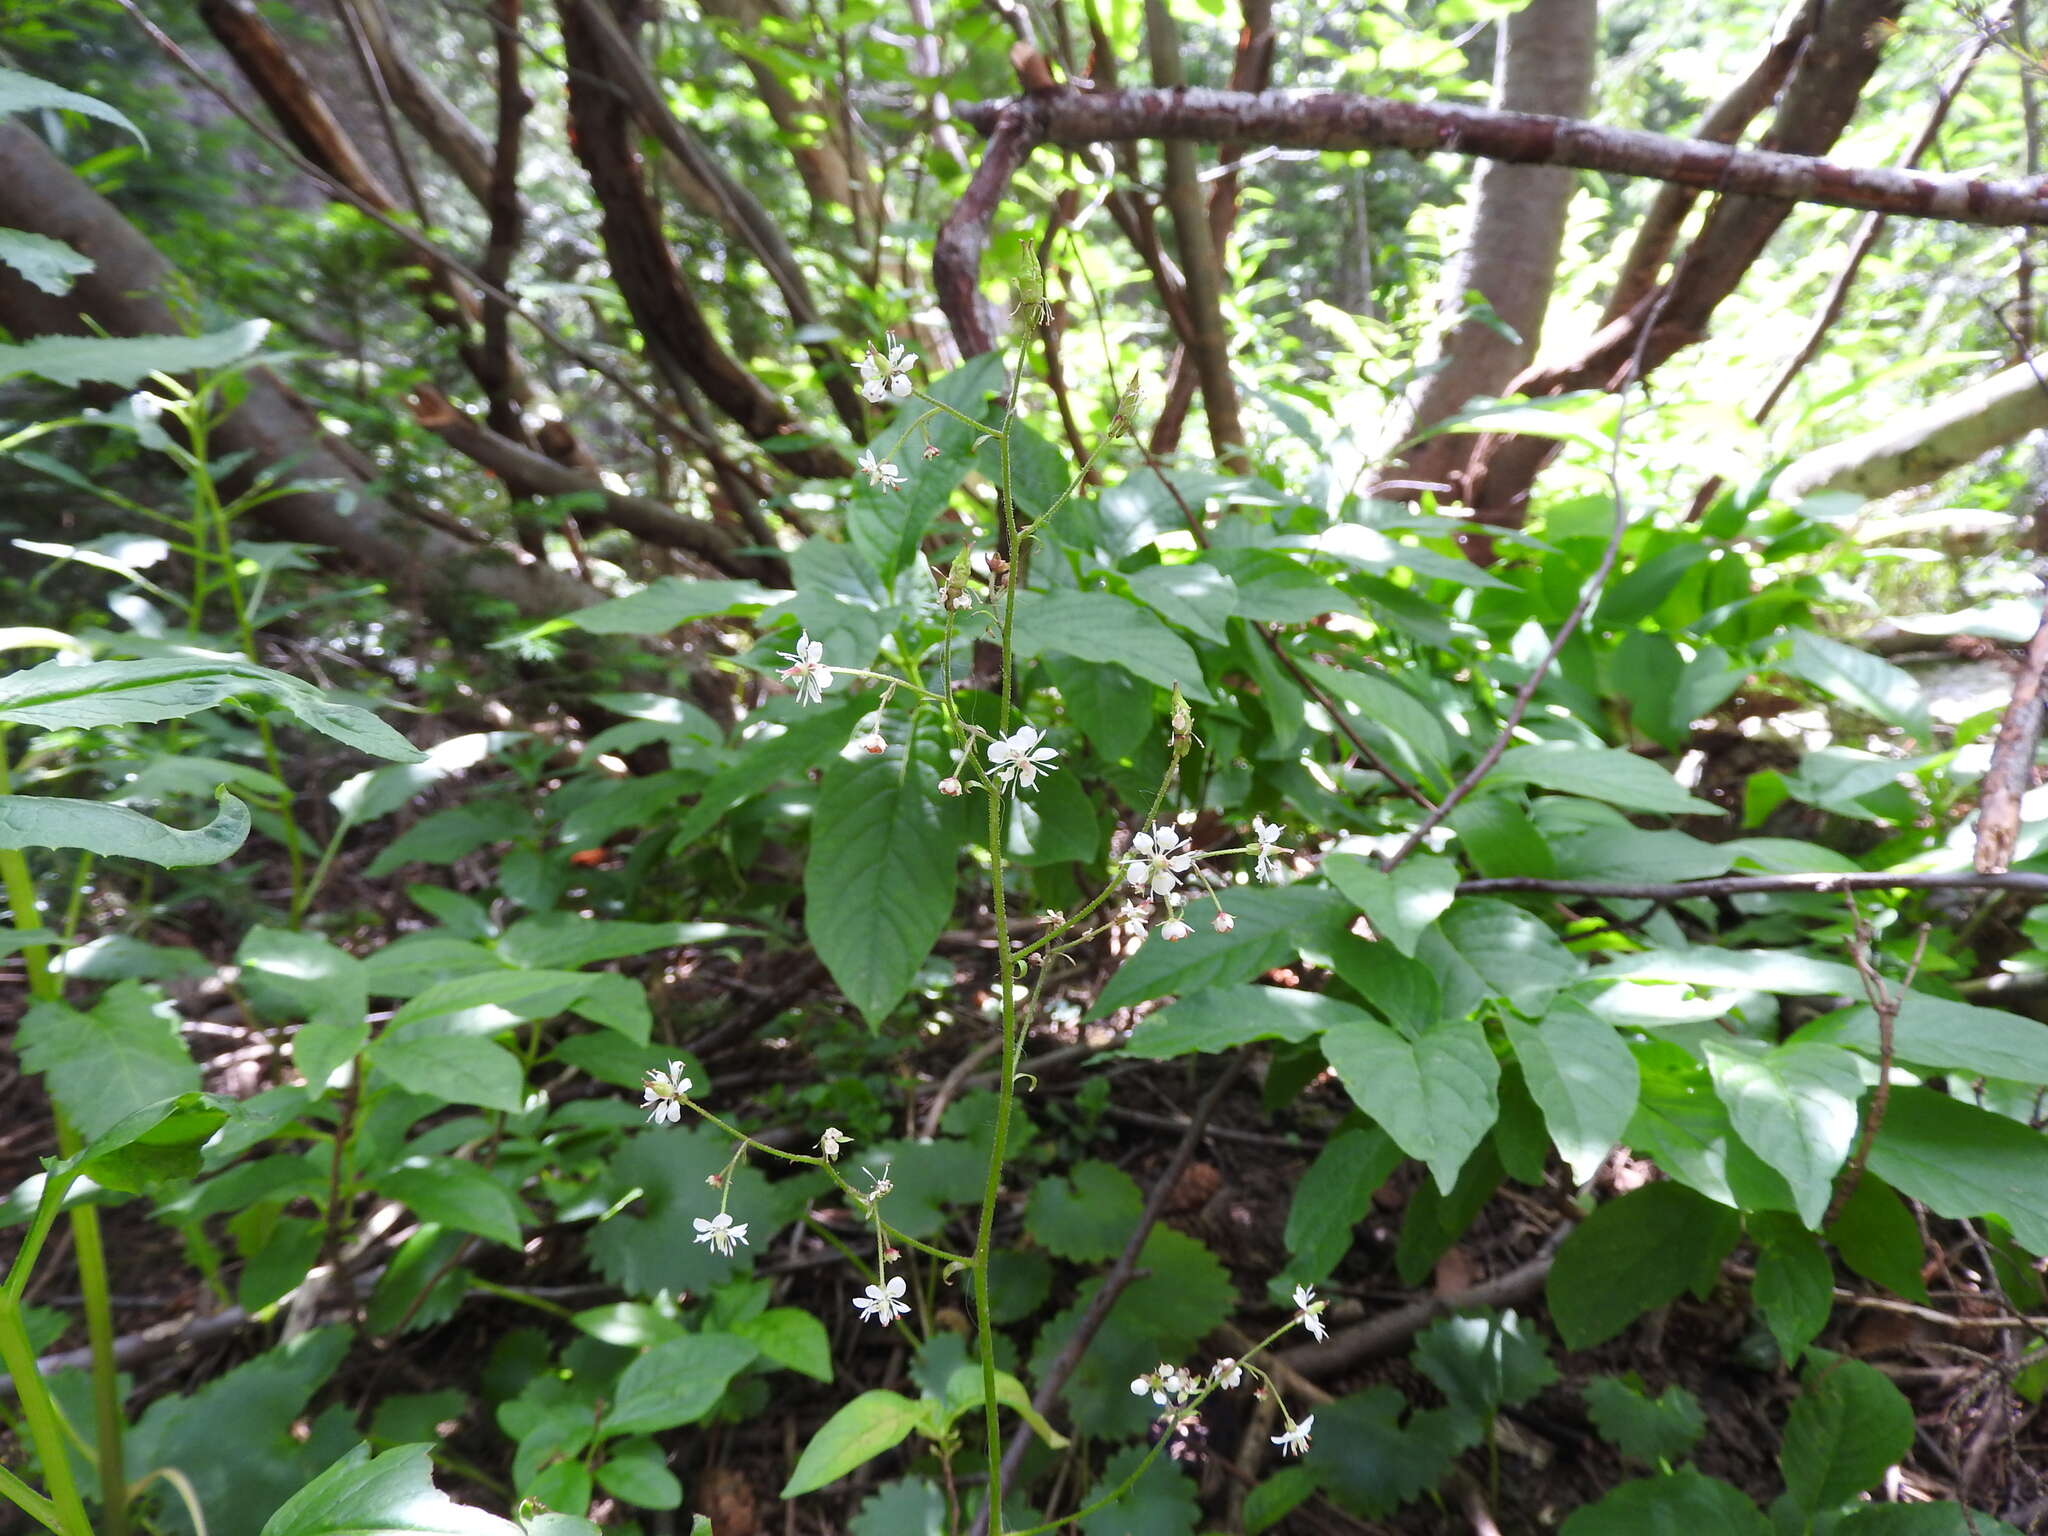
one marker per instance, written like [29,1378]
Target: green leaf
[1099,626]
[1486,1362]
[361,1495]
[880,877]
[456,1194]
[1278,1497]
[910,1506]
[1408,731]
[678,1382]
[1086,1217]
[456,1069]
[1223,1018]
[1161,1502]
[1272,925]
[764,760]
[1794,1286]
[1648,1429]
[1633,1255]
[1333,1196]
[1849,1427]
[668,602]
[45,263]
[1112,708]
[115,832]
[103,1066]
[637,1472]
[1681,1503]
[1878,1238]
[1584,1079]
[1402,905]
[1934,1032]
[1964,1161]
[1795,1107]
[143,692]
[563,941]
[1860,680]
[1941,1519]
[964,1391]
[1599,773]
[790,1336]
[887,526]
[127,361]
[1435,1095]
[155,1143]
[487,1002]
[1517,955]
[872,1423]
[30,93]
[1195,596]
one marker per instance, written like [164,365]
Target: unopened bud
[1173,930]
[931,450]
[949,787]
[872,744]
[1224,922]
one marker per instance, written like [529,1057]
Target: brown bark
[664,307]
[453,137]
[123,296]
[2011,773]
[1516,231]
[956,253]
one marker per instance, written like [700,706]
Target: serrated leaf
[115,832]
[1222,1018]
[1635,1254]
[880,876]
[1794,1285]
[910,1506]
[102,1066]
[1618,777]
[1086,1217]
[1648,1429]
[1486,1362]
[44,263]
[1161,1502]
[1401,905]
[394,1493]
[677,1382]
[1681,1503]
[872,1423]
[1795,1107]
[1436,1095]
[1584,1079]
[1849,1427]
[1100,626]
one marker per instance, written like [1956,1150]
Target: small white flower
[664,1093]
[1226,1374]
[1141,1386]
[883,375]
[832,1141]
[1223,922]
[721,1232]
[1158,859]
[880,471]
[871,743]
[1310,1311]
[1294,1439]
[880,1187]
[1268,836]
[883,1303]
[1173,930]
[1019,756]
[807,669]
[950,787]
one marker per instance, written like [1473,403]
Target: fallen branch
[1391,1331]
[1757,885]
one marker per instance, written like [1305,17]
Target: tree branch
[1826,884]
[1014,130]
[2011,772]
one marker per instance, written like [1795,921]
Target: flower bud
[1173,930]
[872,744]
[1224,922]
[931,450]
[949,787]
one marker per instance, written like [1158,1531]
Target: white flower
[1019,755]
[1141,1386]
[883,1303]
[1173,930]
[950,787]
[1268,836]
[880,471]
[884,375]
[1311,1310]
[1226,1374]
[831,1142]
[1158,859]
[721,1232]
[665,1091]
[871,743]
[807,669]
[881,1187]
[1294,1439]
[1224,922]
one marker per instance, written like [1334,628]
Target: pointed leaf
[1435,1095]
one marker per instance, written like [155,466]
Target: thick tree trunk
[1545,64]
[278,430]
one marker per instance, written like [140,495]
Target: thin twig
[1885,1003]
[1827,884]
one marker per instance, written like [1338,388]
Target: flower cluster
[1162,867]
[886,373]
[1179,1393]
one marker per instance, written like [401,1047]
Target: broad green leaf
[31,93]
[1844,1432]
[115,832]
[1794,1287]
[1087,1216]
[1272,925]
[872,1423]
[361,1495]
[964,1391]
[1860,680]
[377,792]
[562,941]
[300,975]
[1634,853]
[1112,708]
[1195,596]
[1584,1079]
[1485,1362]
[1934,1032]
[1633,1255]
[636,1471]
[880,876]
[1274,1499]
[1878,1238]
[488,1002]
[142,692]
[1681,1503]
[790,1336]
[1333,1196]
[1409,731]
[457,1069]
[1435,1095]
[678,1382]
[1755,970]
[1100,626]
[1516,954]
[103,1066]
[128,360]
[1599,773]
[887,526]
[670,601]
[1795,1107]
[45,263]
[763,761]
[1938,1519]
[1223,1018]
[1964,1161]
[157,1142]
[1648,1429]
[1401,905]
[455,1193]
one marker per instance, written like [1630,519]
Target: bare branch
[2011,772]
[1757,885]
[956,254]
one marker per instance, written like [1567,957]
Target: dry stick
[1121,1273]
[1885,1004]
[2012,761]
[1757,885]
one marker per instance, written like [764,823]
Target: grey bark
[1545,64]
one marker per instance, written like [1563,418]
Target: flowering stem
[1006,1092]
